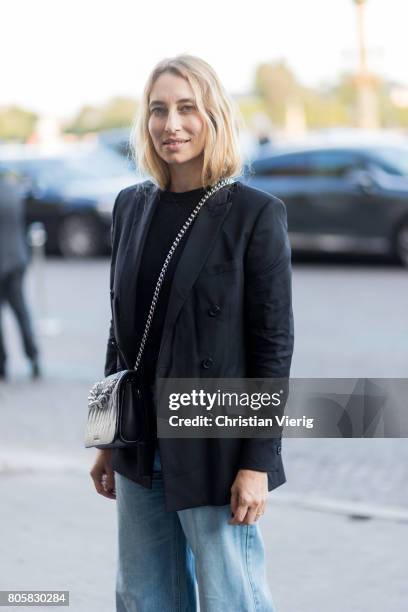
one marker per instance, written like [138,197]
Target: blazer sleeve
[111,358]
[269,328]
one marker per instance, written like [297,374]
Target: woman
[188,509]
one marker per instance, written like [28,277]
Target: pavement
[336,533]
[59,534]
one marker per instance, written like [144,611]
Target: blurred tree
[283,95]
[323,109]
[16,123]
[276,84]
[250,106]
[390,115]
[117,113]
[327,105]
[393,111]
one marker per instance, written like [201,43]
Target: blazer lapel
[200,242]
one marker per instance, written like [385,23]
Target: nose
[172,122]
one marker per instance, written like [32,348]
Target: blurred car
[340,199]
[71,191]
[118,140]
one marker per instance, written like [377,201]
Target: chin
[177,159]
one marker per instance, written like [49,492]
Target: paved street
[336,532]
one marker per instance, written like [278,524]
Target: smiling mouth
[175,142]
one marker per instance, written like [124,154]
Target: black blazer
[237,258]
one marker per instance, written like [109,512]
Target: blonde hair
[222,158]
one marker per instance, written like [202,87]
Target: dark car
[71,192]
[348,199]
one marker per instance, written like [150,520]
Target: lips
[178,141]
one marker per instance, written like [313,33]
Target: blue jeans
[165,557]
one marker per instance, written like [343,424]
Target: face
[177,130]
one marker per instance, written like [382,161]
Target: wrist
[253,470]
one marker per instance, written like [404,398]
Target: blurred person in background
[188,509]
[14,258]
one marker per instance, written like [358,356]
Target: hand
[248,497]
[103,475]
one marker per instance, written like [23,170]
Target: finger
[251,516]
[239,514]
[109,494]
[99,486]
[234,503]
[106,491]
[260,509]
[97,477]
[109,480]
[108,485]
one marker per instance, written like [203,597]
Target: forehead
[170,87]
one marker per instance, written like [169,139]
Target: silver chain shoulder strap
[208,194]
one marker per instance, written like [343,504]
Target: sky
[57,55]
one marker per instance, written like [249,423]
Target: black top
[171,212]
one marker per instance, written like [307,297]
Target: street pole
[367,105]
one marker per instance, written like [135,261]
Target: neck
[185,177]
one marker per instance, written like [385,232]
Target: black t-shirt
[171,212]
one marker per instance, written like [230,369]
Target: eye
[159,110]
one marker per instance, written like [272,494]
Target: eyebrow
[161,103]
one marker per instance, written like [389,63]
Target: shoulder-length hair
[222,158]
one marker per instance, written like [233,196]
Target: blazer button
[214,310]
[207,363]
[278,450]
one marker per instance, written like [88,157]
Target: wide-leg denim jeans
[166,557]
